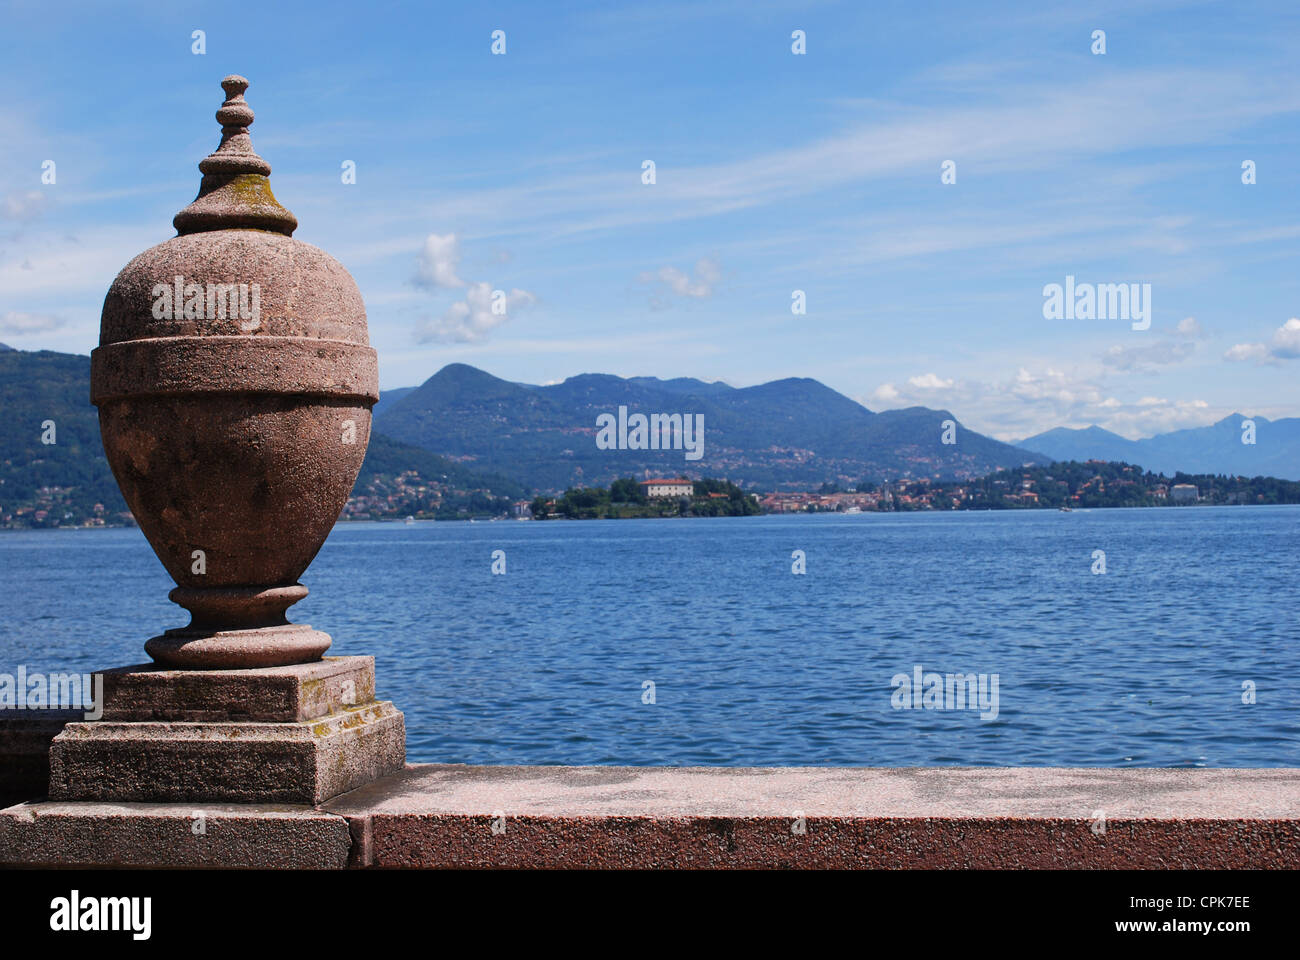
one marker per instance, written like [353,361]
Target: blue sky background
[775,172]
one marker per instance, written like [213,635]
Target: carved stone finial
[235,192]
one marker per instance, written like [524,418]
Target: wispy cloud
[65,266]
[1173,346]
[23,205]
[1029,127]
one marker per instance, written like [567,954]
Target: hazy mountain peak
[1217,448]
[1236,418]
[1090,431]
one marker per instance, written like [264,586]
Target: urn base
[199,649]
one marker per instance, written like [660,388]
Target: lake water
[752,664]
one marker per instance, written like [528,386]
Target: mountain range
[1217,448]
[789,433]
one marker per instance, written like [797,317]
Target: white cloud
[484,308]
[885,395]
[472,319]
[1286,340]
[1161,416]
[21,323]
[1190,327]
[1033,400]
[437,262]
[929,381]
[707,275]
[1285,345]
[1246,351]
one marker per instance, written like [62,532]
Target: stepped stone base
[294,734]
[242,762]
[270,694]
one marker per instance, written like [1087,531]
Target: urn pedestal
[295,734]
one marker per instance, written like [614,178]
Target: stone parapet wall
[448,816]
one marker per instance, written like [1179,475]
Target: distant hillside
[388,457]
[1216,449]
[68,476]
[788,433]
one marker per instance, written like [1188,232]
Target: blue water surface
[752,664]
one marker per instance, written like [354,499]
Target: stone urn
[234,381]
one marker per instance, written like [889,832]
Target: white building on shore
[678,487]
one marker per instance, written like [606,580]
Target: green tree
[626,490]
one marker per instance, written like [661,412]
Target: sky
[524,172]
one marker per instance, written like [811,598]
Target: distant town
[1063,486]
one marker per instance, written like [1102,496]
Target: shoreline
[772,513]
